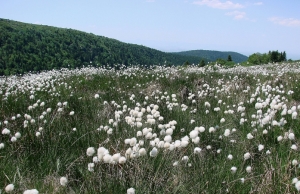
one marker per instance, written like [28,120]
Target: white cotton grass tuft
[131,191]
[229,157]
[291,136]
[63,181]
[260,147]
[1,145]
[248,169]
[233,169]
[297,185]
[247,156]
[153,152]
[90,151]
[31,191]
[9,188]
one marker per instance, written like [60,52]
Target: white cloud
[291,22]
[258,3]
[238,15]
[219,5]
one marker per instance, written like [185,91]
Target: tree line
[270,57]
[28,47]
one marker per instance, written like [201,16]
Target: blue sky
[173,25]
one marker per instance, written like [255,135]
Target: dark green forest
[29,47]
[270,57]
[214,55]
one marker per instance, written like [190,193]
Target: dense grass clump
[156,130]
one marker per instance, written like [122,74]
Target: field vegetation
[151,130]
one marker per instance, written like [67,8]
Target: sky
[243,26]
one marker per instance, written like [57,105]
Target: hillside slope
[214,55]
[29,47]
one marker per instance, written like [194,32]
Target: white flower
[63,181]
[9,188]
[294,147]
[96,96]
[249,136]
[197,150]
[37,134]
[229,157]
[227,132]
[31,191]
[193,134]
[185,158]
[122,160]
[247,156]
[131,191]
[242,180]
[91,167]
[1,145]
[291,136]
[295,180]
[233,169]
[5,131]
[294,162]
[72,113]
[222,120]
[279,138]
[248,169]
[153,152]
[297,185]
[13,139]
[90,151]
[260,147]
[142,152]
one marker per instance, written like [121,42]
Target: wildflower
[131,191]
[233,169]
[9,188]
[279,138]
[31,191]
[247,156]
[294,162]
[229,157]
[297,185]
[96,96]
[72,113]
[294,147]
[13,139]
[153,152]
[37,134]
[142,152]
[295,180]
[197,150]
[175,163]
[107,158]
[291,136]
[248,169]
[227,132]
[91,167]
[260,147]
[5,131]
[242,180]
[168,138]
[222,120]
[249,136]
[185,158]
[90,151]
[1,145]
[122,160]
[193,134]
[63,181]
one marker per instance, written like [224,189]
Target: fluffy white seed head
[63,181]
[90,151]
[9,188]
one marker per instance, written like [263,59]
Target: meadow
[152,130]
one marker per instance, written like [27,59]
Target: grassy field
[157,130]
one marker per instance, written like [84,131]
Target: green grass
[39,162]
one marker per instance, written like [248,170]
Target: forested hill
[29,47]
[214,55]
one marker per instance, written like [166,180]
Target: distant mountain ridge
[29,47]
[214,55]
